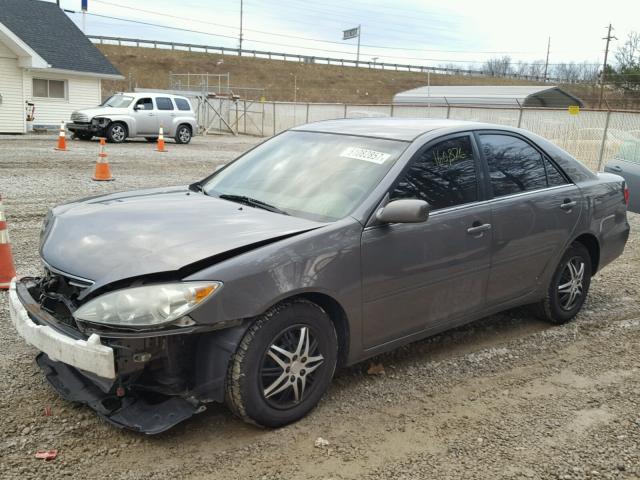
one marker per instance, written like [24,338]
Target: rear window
[164,103]
[182,104]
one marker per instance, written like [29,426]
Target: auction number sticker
[365,154]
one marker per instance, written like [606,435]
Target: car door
[534,211]
[421,275]
[627,164]
[146,117]
[166,114]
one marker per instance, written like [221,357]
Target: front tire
[569,286]
[183,134]
[117,132]
[283,365]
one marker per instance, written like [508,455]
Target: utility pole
[241,14]
[608,38]
[546,64]
[358,53]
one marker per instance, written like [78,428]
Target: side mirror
[140,106]
[404,211]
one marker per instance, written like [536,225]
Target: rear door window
[554,177]
[514,165]
[443,175]
[164,103]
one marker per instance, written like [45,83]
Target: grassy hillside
[150,68]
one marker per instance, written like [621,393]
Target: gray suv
[126,115]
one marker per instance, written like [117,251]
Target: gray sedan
[321,247]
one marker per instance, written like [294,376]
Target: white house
[46,60]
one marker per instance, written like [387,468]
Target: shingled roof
[53,35]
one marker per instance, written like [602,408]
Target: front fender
[324,261]
[130,122]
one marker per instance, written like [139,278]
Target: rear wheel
[283,365]
[116,132]
[569,286]
[183,134]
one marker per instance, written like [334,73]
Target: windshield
[117,101]
[318,176]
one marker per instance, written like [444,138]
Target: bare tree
[628,55]
[498,66]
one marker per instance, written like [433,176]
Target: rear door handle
[476,229]
[568,204]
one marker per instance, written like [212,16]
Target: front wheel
[283,365]
[183,134]
[116,133]
[569,286]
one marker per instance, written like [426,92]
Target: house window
[49,88]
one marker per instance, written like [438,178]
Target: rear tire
[283,365]
[117,132]
[183,134]
[569,286]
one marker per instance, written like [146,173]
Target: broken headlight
[146,306]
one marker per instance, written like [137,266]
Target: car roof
[150,94]
[392,128]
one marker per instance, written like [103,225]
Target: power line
[324,50]
[205,22]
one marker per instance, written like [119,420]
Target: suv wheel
[569,286]
[183,134]
[116,132]
[283,364]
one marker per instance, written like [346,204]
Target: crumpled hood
[119,236]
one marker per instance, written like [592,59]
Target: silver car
[325,245]
[127,115]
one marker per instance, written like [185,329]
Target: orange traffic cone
[7,269]
[102,172]
[62,139]
[160,141]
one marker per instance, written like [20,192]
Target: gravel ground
[504,397]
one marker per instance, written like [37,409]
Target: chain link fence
[591,136]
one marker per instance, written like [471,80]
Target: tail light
[626,194]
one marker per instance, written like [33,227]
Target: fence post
[274,118]
[307,115]
[244,104]
[391,111]
[604,140]
[519,114]
[448,107]
[345,110]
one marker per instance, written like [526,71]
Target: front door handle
[478,228]
[616,168]
[568,204]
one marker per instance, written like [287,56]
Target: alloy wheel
[184,134]
[289,367]
[118,133]
[571,287]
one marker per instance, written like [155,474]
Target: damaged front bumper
[132,382]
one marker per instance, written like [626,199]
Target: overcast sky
[411,31]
